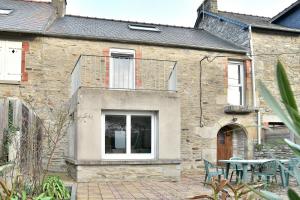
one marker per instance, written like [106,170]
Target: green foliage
[286,93]
[259,147]
[220,190]
[43,196]
[241,190]
[55,188]
[269,195]
[24,195]
[291,118]
[10,131]
[293,195]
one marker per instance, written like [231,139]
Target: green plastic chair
[267,171]
[212,170]
[237,169]
[292,165]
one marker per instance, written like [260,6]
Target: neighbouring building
[267,40]
[146,100]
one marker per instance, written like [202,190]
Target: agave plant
[288,112]
[216,187]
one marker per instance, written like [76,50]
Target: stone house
[146,100]
[266,40]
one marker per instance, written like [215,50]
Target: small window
[143,27]
[236,77]
[122,69]
[128,135]
[5,11]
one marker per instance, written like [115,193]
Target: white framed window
[236,83]
[10,60]
[122,69]
[128,135]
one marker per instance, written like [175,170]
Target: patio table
[246,163]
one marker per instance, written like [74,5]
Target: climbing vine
[9,132]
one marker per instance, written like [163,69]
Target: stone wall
[128,173]
[240,144]
[281,46]
[49,63]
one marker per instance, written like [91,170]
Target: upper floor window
[10,60]
[122,69]
[236,86]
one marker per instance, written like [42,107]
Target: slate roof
[38,18]
[116,30]
[255,21]
[26,16]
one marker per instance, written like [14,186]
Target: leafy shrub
[55,188]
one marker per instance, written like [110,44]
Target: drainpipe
[258,126]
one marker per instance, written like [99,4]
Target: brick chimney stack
[209,6]
[60,6]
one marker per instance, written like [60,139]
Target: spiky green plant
[288,112]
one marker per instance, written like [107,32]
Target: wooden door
[224,144]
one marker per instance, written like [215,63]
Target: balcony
[123,73]
[128,87]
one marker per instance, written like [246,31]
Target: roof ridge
[244,14]
[127,21]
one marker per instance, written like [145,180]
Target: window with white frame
[10,60]
[122,69]
[128,135]
[236,77]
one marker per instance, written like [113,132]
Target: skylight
[143,27]
[5,11]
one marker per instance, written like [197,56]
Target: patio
[189,186]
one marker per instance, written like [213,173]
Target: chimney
[60,6]
[209,5]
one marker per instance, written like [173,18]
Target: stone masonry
[49,63]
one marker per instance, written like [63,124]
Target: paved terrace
[184,189]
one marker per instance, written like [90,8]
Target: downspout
[258,125]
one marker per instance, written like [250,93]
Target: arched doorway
[231,142]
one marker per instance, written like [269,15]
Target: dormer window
[140,27]
[5,11]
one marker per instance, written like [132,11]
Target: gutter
[276,29]
[258,125]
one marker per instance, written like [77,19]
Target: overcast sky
[173,12]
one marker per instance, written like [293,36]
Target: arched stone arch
[232,141]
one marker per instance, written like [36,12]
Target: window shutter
[2,69]
[13,55]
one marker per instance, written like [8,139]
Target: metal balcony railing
[124,73]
